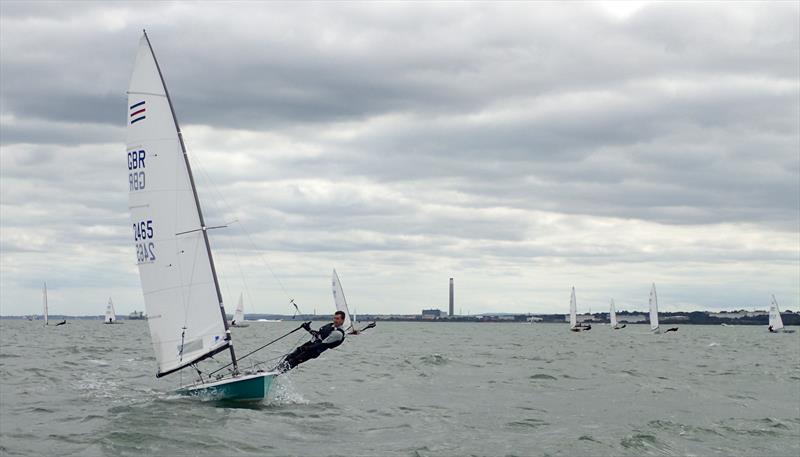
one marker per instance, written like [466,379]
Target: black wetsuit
[322,340]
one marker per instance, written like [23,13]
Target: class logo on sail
[137,112]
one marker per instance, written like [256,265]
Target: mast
[199,209]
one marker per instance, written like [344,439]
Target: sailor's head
[338,318]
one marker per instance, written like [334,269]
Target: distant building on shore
[430,314]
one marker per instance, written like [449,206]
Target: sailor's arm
[307,327]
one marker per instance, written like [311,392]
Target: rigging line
[191,280]
[214,188]
[220,242]
[256,350]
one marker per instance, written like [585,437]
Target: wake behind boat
[186,315]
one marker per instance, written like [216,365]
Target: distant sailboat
[111,316]
[182,295]
[238,314]
[573,315]
[775,321]
[613,316]
[341,305]
[654,327]
[44,303]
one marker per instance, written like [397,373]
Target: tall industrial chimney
[451,297]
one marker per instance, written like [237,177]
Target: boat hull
[251,387]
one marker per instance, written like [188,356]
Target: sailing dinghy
[111,316]
[612,314]
[238,314]
[654,327]
[573,315]
[775,321]
[340,301]
[44,302]
[186,316]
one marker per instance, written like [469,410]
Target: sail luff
[573,310]
[197,203]
[653,308]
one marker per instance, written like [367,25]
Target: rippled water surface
[413,389]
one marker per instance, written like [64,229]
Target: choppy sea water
[414,389]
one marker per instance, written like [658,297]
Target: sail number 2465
[142,234]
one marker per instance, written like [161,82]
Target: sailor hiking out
[327,337]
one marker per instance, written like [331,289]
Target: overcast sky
[520,148]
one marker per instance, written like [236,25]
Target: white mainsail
[44,302]
[653,308]
[341,303]
[238,314]
[775,320]
[184,306]
[111,316]
[573,310]
[612,314]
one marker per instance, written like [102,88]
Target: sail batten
[186,316]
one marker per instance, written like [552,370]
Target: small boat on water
[574,326]
[654,327]
[238,314]
[340,302]
[341,305]
[612,314]
[44,303]
[775,320]
[111,316]
[186,315]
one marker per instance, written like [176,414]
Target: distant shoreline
[692,318]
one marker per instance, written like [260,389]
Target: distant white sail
[775,320]
[613,314]
[44,302]
[341,303]
[111,316]
[238,314]
[573,310]
[653,308]
[184,305]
